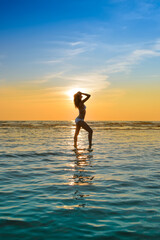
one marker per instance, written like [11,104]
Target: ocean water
[48,190]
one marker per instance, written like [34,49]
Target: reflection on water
[82,174]
[83,157]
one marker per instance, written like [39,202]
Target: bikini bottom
[78,119]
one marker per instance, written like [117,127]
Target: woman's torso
[82,111]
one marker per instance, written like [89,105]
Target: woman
[79,103]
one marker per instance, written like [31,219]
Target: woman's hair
[77,99]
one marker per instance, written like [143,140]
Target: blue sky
[98,44]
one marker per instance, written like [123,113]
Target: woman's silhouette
[79,103]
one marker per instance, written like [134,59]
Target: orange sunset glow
[30,103]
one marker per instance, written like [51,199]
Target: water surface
[50,191]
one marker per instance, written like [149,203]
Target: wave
[101,125]
[14,222]
[34,154]
[34,124]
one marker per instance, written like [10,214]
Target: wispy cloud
[156,46]
[61,82]
[76,51]
[76,43]
[125,63]
[144,9]
[48,78]
[52,61]
[95,80]
[61,51]
[126,55]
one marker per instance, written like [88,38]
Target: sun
[70,93]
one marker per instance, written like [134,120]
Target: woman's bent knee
[91,131]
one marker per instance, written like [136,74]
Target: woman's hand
[86,94]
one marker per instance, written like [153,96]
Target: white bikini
[79,119]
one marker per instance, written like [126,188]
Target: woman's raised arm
[87,97]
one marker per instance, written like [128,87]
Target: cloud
[72,71]
[156,46]
[76,43]
[62,82]
[76,51]
[127,55]
[61,51]
[53,61]
[125,63]
[93,81]
[144,9]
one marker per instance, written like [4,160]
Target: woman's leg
[85,126]
[76,134]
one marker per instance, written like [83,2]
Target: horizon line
[85,121]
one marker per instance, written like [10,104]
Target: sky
[108,48]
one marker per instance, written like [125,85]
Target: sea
[49,190]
